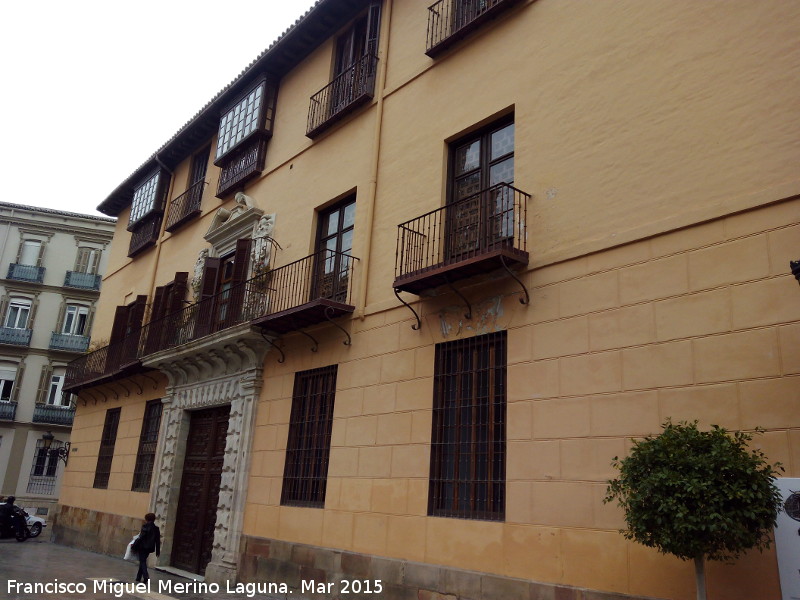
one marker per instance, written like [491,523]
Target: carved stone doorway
[193,539]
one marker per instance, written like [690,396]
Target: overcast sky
[91,88]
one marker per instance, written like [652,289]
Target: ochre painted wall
[659,141]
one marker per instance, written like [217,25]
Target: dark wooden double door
[197,504]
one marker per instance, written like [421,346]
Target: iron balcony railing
[185,206]
[348,90]
[68,342]
[491,220]
[8,410]
[17,337]
[55,415]
[451,20]
[30,273]
[85,281]
[145,234]
[324,275]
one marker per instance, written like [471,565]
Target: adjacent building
[388,306]
[51,262]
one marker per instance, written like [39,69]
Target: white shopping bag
[129,553]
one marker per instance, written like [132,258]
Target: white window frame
[92,261]
[8,378]
[19,304]
[72,317]
[31,251]
[55,391]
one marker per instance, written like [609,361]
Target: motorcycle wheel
[35,529]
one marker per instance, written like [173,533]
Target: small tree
[697,494]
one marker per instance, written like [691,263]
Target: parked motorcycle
[16,526]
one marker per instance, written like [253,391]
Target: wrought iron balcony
[84,281]
[8,410]
[480,233]
[17,337]
[68,342]
[349,90]
[54,415]
[308,291]
[186,206]
[452,20]
[30,273]
[145,234]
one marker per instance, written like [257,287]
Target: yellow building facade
[388,306]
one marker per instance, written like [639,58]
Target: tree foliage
[696,493]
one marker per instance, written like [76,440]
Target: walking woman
[149,541]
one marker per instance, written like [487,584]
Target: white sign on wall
[787,538]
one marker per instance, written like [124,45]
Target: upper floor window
[19,311]
[244,129]
[105,456]
[250,113]
[55,395]
[335,245]
[88,260]
[75,318]
[30,252]
[7,377]
[146,198]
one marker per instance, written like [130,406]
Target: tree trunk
[700,577]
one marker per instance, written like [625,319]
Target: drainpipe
[386,19]
[162,229]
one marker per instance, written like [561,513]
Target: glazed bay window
[244,129]
[468,439]
[305,474]
[146,209]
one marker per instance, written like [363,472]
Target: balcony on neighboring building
[452,20]
[29,273]
[474,235]
[350,89]
[84,281]
[8,410]
[14,336]
[53,415]
[186,206]
[68,342]
[303,293]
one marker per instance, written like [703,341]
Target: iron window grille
[148,439]
[308,449]
[468,438]
[44,469]
[106,453]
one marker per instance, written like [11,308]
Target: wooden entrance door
[197,505]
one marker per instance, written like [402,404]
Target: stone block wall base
[220,573]
[101,532]
[267,560]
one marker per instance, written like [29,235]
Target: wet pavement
[40,570]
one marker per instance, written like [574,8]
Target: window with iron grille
[306,471]
[44,469]
[107,443]
[148,439]
[468,439]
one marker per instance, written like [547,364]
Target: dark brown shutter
[241,260]
[120,323]
[208,287]
[177,292]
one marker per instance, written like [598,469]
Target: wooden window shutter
[136,315]
[41,254]
[18,381]
[157,310]
[120,323]
[61,312]
[241,260]
[210,276]
[177,292]
[32,315]
[44,384]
